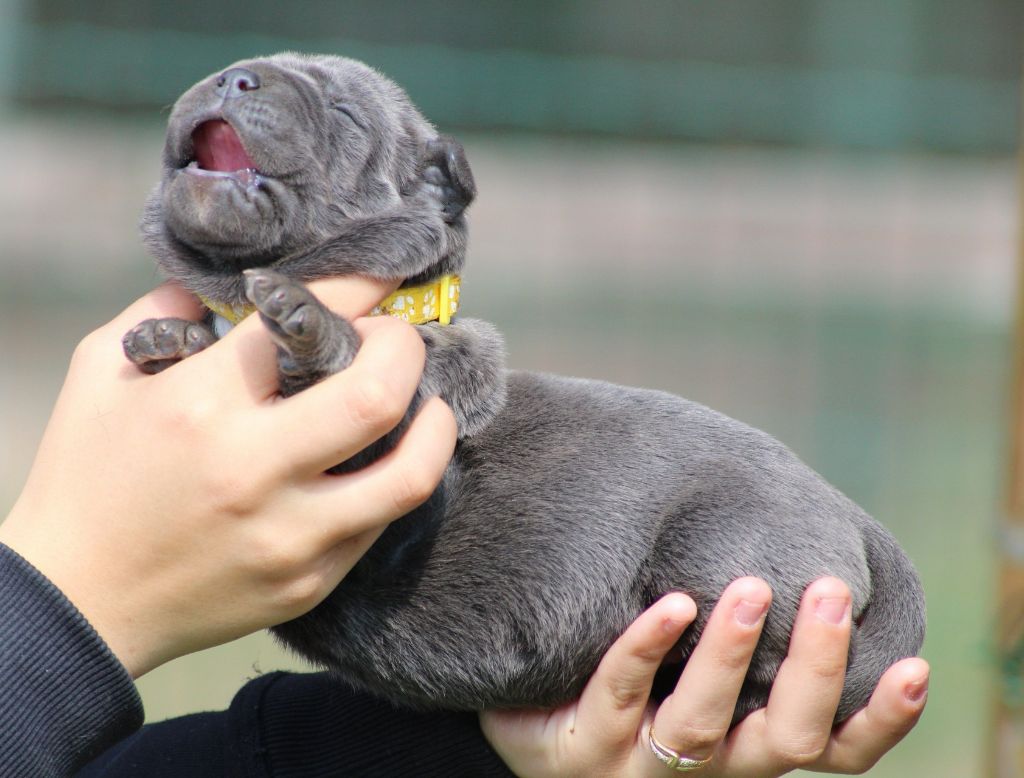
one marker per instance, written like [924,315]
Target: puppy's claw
[258,284]
[197,338]
[296,323]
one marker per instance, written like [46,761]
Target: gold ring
[671,758]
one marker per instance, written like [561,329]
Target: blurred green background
[802,213]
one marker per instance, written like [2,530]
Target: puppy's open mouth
[219,152]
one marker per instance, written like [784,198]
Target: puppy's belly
[575,509]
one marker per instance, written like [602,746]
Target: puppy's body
[569,505]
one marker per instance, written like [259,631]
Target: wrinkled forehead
[319,83]
[335,77]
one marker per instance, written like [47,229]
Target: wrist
[78,582]
[63,678]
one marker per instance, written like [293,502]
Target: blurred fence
[937,74]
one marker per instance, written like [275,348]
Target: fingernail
[916,691]
[832,610]
[673,625]
[749,613]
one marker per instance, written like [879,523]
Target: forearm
[306,724]
[66,698]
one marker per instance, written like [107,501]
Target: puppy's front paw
[312,342]
[448,177]
[156,344]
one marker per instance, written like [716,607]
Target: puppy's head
[273,157]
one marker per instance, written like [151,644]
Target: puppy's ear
[445,167]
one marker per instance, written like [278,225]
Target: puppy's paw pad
[156,344]
[287,308]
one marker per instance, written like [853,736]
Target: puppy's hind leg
[312,341]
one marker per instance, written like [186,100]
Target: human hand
[181,510]
[605,732]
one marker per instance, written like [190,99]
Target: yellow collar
[437,301]
[233,313]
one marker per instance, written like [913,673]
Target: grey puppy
[569,505]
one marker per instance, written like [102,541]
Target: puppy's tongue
[217,147]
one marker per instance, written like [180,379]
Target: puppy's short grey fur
[570,505]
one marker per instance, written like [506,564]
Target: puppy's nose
[232,83]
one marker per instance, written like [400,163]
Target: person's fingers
[796,725]
[816,660]
[334,419]
[695,718]
[613,702]
[391,486]
[892,712]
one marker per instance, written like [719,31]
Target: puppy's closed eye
[349,110]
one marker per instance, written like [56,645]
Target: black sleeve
[64,697]
[354,734]
[286,724]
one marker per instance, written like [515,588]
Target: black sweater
[67,706]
